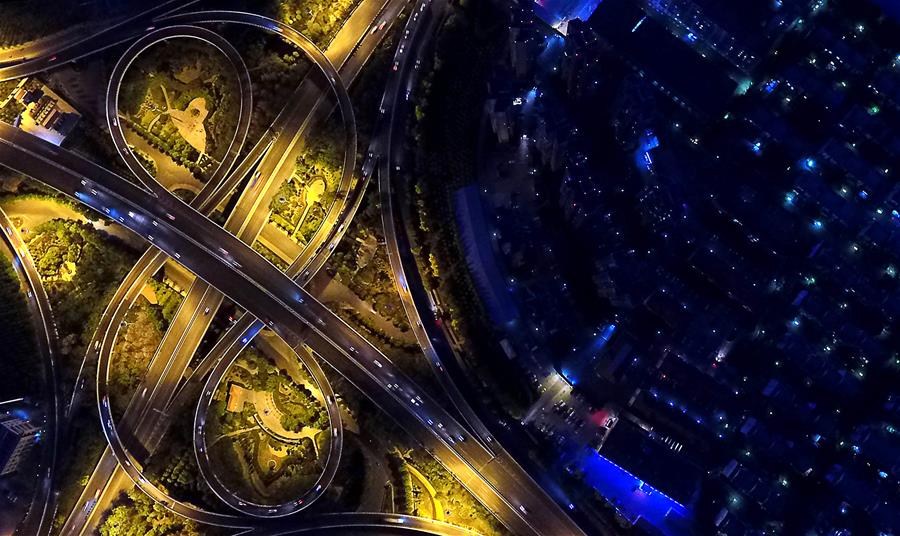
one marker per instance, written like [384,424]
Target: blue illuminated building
[558,13]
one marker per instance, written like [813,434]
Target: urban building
[17,438]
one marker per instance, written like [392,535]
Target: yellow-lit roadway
[296,316]
[193,317]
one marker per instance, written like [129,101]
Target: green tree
[140,516]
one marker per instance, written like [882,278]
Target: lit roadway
[200,243]
[346,42]
[189,325]
[138,419]
[432,338]
[44,54]
[201,297]
[37,520]
[394,107]
[227,263]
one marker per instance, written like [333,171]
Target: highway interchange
[224,261]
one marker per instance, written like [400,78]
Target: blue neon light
[638,25]
[630,495]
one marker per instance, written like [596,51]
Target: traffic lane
[366,523]
[208,266]
[319,257]
[231,155]
[242,283]
[249,220]
[52,56]
[399,253]
[104,341]
[334,448]
[360,24]
[112,316]
[46,335]
[244,289]
[162,361]
[140,403]
[431,337]
[414,419]
[150,39]
[183,338]
[104,500]
[246,214]
[357,28]
[303,93]
[90,494]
